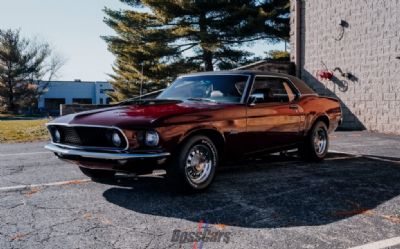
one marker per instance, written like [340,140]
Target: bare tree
[24,64]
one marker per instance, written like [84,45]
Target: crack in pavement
[43,185]
[14,170]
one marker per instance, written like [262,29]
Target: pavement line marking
[380,244]
[365,156]
[26,153]
[29,186]
[382,159]
[340,158]
[345,153]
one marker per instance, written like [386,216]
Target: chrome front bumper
[102,155]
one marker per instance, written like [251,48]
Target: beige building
[359,42]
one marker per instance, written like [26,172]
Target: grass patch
[10,116]
[12,131]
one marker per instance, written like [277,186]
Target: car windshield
[212,88]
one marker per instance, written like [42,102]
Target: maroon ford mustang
[197,122]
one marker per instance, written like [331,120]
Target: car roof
[301,85]
[238,72]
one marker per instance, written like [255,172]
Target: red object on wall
[324,74]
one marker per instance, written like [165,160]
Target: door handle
[294,107]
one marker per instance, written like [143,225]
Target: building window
[53,103]
[82,101]
[105,91]
[101,101]
[108,100]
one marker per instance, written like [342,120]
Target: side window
[272,90]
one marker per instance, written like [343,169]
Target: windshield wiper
[201,99]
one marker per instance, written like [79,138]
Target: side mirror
[255,97]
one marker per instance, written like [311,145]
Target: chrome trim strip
[211,74]
[101,155]
[95,126]
[310,94]
[245,90]
[107,149]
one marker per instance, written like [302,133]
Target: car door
[273,114]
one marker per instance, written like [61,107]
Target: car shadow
[270,193]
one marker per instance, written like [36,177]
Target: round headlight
[151,138]
[116,139]
[57,136]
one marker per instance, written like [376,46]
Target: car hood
[143,114]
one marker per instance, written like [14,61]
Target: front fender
[201,129]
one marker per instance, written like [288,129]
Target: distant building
[73,92]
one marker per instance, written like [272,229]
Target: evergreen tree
[213,31]
[278,55]
[142,54]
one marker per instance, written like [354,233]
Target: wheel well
[324,119]
[213,135]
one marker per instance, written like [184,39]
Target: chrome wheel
[320,141]
[199,163]
[192,169]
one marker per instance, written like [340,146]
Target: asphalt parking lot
[276,202]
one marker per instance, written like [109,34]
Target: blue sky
[73,28]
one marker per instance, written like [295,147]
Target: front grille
[87,136]
[70,136]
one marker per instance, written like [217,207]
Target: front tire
[98,174]
[315,146]
[192,169]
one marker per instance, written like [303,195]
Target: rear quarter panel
[315,107]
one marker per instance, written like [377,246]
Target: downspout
[298,37]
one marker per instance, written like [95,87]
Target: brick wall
[366,48]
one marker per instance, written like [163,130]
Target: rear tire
[192,169]
[315,146]
[98,174]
